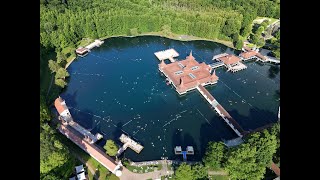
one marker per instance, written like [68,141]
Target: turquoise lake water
[117,88]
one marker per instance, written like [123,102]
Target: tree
[231,26]
[199,172]
[44,111]
[214,155]
[241,163]
[60,82]
[237,41]
[111,148]
[61,57]
[61,73]
[134,32]
[166,29]
[264,24]
[184,172]
[265,144]
[51,157]
[53,66]
[276,53]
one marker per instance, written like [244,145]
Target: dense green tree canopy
[64,25]
[61,73]
[53,66]
[184,172]
[199,172]
[111,147]
[44,111]
[241,163]
[214,155]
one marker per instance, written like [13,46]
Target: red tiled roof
[261,56]
[229,59]
[57,103]
[81,50]
[202,74]
[248,54]
[91,149]
[275,169]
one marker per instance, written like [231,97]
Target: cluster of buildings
[83,138]
[186,75]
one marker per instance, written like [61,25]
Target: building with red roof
[187,74]
[82,50]
[62,109]
[230,60]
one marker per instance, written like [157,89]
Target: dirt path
[52,77]
[223,173]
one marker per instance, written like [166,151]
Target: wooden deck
[128,142]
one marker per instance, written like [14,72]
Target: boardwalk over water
[221,111]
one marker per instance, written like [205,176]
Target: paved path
[128,175]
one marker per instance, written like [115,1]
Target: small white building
[81,176]
[62,109]
[79,169]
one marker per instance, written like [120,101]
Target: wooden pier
[96,43]
[82,51]
[167,54]
[221,111]
[128,142]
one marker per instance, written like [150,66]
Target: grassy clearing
[259,20]
[85,42]
[76,151]
[218,177]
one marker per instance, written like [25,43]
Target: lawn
[261,19]
[85,42]
[218,177]
[104,173]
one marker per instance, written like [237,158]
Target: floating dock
[189,151]
[128,142]
[167,54]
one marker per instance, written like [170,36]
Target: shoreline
[176,37]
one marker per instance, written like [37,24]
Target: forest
[64,23]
